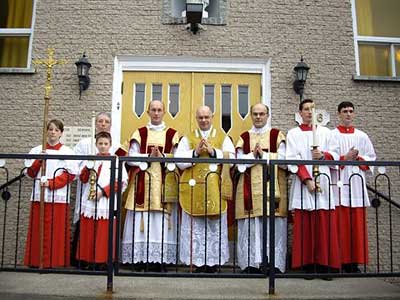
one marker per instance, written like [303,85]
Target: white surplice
[193,232]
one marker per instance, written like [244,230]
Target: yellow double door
[229,95]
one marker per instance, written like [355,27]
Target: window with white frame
[377,37]
[16,29]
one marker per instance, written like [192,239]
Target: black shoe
[100,267]
[252,270]
[211,270]
[202,269]
[309,269]
[351,268]
[138,267]
[326,270]
[276,271]
[327,278]
[154,267]
[157,267]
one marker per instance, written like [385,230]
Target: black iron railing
[169,262]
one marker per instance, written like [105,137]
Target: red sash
[273,147]
[143,131]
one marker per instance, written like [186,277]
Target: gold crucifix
[50,62]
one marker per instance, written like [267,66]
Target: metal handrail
[10,182]
[383,196]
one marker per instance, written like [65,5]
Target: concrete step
[18,285]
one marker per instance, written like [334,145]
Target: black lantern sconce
[301,71]
[83,65]
[194,14]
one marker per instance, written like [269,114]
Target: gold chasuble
[204,198]
[153,189]
[249,191]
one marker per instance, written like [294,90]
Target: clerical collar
[306,127]
[158,127]
[205,134]
[259,130]
[54,147]
[344,129]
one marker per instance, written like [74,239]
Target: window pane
[226,107]
[173,106]
[156,92]
[375,60]
[243,100]
[397,54]
[139,98]
[378,17]
[209,96]
[15,13]
[14,52]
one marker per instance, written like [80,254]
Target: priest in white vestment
[150,230]
[204,234]
[260,142]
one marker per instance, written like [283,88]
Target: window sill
[375,78]
[17,70]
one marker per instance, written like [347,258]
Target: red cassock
[94,223]
[315,238]
[353,235]
[56,235]
[93,240]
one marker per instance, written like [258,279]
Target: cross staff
[50,62]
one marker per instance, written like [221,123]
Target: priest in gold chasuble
[260,142]
[152,195]
[204,237]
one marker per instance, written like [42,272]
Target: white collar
[159,127]
[259,130]
[205,134]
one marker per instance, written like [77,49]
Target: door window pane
[226,108]
[374,60]
[156,92]
[139,98]
[378,17]
[209,96]
[243,92]
[173,103]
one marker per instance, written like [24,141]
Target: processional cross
[50,62]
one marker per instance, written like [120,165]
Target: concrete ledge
[16,286]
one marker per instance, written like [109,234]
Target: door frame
[124,63]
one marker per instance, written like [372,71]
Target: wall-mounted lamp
[301,70]
[194,14]
[83,65]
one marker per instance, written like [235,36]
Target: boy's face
[53,134]
[306,112]
[346,116]
[103,145]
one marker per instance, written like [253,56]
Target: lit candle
[314,126]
